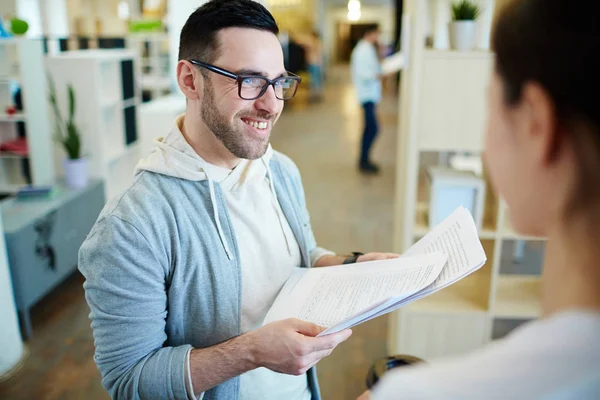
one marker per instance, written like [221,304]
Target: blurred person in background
[314,59]
[366,75]
[542,151]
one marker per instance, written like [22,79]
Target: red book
[16,146]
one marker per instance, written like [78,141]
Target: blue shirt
[365,68]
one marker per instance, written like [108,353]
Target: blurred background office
[118,57]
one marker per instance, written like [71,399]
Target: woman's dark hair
[555,43]
[199,38]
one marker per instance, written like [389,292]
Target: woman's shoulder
[539,360]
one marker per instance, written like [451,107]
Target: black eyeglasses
[252,87]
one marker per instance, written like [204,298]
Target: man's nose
[268,102]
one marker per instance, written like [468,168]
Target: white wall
[55,17]
[8,7]
[112,25]
[88,11]
[11,345]
[384,15]
[179,11]
[29,10]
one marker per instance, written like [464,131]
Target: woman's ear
[188,80]
[543,130]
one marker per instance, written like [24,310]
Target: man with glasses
[182,268]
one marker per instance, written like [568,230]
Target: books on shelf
[15,146]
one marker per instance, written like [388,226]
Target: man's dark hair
[199,36]
[371,28]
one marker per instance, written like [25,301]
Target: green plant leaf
[71,104]
[465,10]
[66,132]
[72,142]
[58,123]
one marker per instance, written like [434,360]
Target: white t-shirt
[269,253]
[552,359]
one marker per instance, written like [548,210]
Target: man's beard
[235,140]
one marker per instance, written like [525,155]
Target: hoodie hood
[173,156]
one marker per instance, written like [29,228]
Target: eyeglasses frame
[240,78]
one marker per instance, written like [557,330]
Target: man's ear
[188,80]
[542,125]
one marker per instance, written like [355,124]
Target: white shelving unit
[11,343]
[107,100]
[22,69]
[153,53]
[443,110]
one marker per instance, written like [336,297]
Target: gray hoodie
[162,269]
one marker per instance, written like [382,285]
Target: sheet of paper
[344,296]
[456,237]
[393,63]
[334,295]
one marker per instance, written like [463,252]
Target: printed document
[393,63]
[341,297]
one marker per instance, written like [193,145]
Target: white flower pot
[463,35]
[76,173]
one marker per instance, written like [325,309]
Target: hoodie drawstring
[276,204]
[213,199]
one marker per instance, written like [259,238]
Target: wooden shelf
[518,297]
[421,229]
[9,79]
[488,230]
[509,233]
[130,102]
[109,103]
[449,300]
[18,117]
[11,156]
[23,64]
[467,295]
[432,54]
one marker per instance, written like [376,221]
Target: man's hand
[364,396]
[291,346]
[329,260]
[287,346]
[376,256]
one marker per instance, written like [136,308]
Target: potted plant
[67,134]
[463,28]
